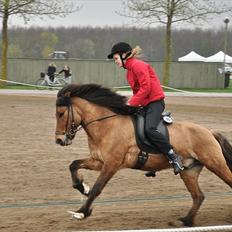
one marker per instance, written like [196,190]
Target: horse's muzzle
[65,142]
[60,142]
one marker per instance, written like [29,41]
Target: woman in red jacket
[147,92]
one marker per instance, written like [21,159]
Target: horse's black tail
[226,147]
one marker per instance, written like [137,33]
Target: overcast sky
[95,13]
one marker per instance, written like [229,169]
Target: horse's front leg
[106,174]
[77,179]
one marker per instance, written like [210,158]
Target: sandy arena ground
[35,188]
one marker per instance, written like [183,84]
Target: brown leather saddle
[142,140]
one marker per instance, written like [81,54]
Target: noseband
[70,133]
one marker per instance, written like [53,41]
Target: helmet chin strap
[123,64]
[122,59]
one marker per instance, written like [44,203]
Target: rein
[98,119]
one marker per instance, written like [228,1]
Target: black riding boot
[175,160]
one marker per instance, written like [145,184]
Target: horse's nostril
[60,142]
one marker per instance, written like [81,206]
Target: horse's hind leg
[190,178]
[77,179]
[218,166]
[211,155]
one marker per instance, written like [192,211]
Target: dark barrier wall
[182,75]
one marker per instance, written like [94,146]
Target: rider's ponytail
[136,52]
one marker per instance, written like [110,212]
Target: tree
[168,12]
[26,9]
[14,51]
[49,41]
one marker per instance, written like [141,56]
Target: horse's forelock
[64,96]
[63,101]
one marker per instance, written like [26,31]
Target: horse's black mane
[98,95]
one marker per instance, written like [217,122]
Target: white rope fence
[54,87]
[227,228]
[165,87]
[50,87]
[31,85]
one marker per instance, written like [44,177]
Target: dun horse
[106,119]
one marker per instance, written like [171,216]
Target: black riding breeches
[153,115]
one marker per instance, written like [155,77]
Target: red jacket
[144,82]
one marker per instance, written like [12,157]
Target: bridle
[74,128]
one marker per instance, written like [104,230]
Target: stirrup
[176,167]
[178,164]
[150,174]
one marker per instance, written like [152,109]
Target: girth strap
[142,159]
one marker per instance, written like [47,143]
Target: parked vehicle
[59,55]
[227,68]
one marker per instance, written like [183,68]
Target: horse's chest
[96,154]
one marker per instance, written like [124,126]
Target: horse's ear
[68,94]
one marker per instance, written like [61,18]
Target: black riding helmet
[120,48]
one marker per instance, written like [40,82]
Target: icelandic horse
[107,121]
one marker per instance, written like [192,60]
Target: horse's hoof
[78,216]
[81,213]
[186,221]
[82,188]
[86,189]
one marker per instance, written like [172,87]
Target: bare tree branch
[169,12]
[39,7]
[26,9]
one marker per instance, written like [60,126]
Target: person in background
[148,93]
[51,71]
[67,73]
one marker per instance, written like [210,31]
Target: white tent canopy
[219,57]
[192,56]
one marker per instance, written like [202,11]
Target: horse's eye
[60,115]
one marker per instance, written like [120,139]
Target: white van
[59,55]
